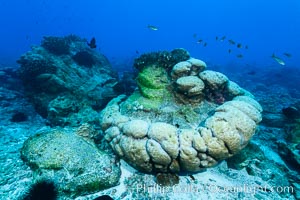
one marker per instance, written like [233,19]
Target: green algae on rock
[183,118]
[153,82]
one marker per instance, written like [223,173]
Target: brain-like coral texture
[182,119]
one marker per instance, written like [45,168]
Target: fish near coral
[92,43]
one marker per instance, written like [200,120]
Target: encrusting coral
[67,81]
[183,118]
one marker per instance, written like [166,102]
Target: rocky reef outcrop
[183,118]
[71,160]
[66,80]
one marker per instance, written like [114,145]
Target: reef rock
[66,80]
[183,118]
[190,85]
[74,163]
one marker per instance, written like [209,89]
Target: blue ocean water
[120,27]
[246,40]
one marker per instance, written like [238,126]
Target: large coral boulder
[71,160]
[184,118]
[66,79]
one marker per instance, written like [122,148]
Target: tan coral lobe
[156,138]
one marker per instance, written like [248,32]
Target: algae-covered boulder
[183,118]
[72,161]
[64,77]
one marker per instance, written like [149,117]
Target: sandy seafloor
[220,182]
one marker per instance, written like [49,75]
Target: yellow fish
[281,62]
[151,27]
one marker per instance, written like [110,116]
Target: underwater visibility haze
[120,27]
[149,100]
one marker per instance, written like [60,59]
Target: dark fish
[199,41]
[287,55]
[291,112]
[251,72]
[246,47]
[153,28]
[229,50]
[205,44]
[277,59]
[239,45]
[192,177]
[223,38]
[92,43]
[137,52]
[231,42]
[217,37]
[239,56]
[195,35]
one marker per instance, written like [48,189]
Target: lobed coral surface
[183,118]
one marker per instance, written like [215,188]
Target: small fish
[229,50]
[277,59]
[231,42]
[137,52]
[239,45]
[223,38]
[291,112]
[287,55]
[199,41]
[246,47]
[239,56]
[205,44]
[217,37]
[195,35]
[92,43]
[151,27]
[251,72]
[192,177]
